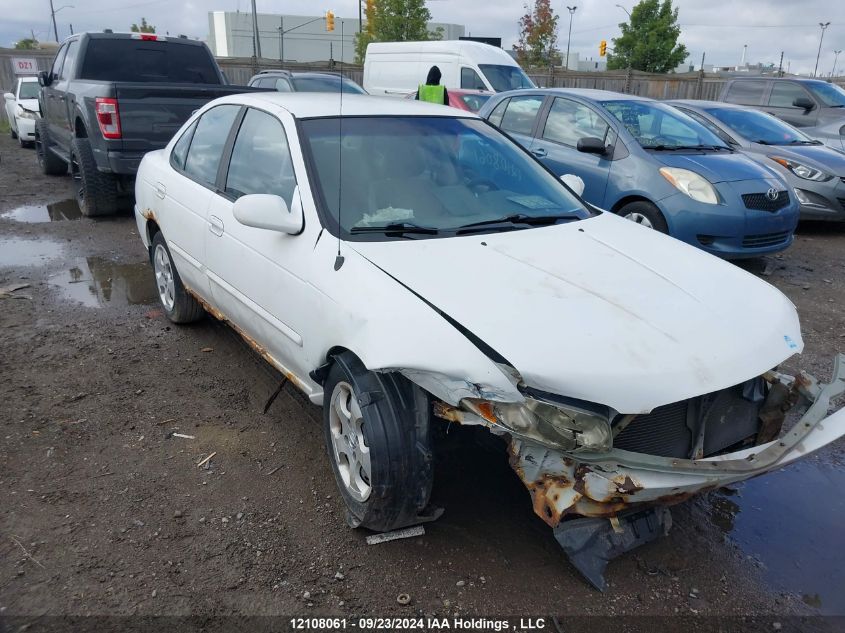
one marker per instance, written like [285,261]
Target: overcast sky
[717,27]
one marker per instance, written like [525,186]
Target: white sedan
[22,109]
[408,264]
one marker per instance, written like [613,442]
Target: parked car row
[406,264]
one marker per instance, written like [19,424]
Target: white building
[295,38]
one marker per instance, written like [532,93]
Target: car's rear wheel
[51,165]
[96,192]
[377,436]
[178,305]
[645,214]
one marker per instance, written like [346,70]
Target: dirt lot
[105,512]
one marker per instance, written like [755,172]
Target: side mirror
[805,103]
[265,211]
[8,96]
[45,78]
[592,145]
[574,182]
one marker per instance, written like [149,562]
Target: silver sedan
[814,171]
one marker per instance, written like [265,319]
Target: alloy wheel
[349,446]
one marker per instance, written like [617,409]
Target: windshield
[325,84]
[830,95]
[655,126]
[758,127]
[504,78]
[473,101]
[29,90]
[434,176]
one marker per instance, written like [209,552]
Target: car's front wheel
[377,435]
[645,214]
[179,306]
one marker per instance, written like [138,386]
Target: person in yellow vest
[431,90]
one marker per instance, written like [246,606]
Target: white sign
[25,65]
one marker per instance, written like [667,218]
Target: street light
[569,37]
[625,10]
[53,13]
[835,59]
[823,25]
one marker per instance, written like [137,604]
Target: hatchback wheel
[645,214]
[179,306]
[377,435]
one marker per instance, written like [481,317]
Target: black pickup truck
[111,97]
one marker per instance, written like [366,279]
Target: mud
[97,489]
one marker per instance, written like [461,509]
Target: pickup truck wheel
[96,192]
[51,165]
[377,435]
[179,306]
[645,214]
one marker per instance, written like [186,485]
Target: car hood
[601,309]
[819,156]
[716,166]
[28,104]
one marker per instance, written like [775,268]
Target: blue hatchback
[654,165]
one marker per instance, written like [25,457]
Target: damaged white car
[407,263]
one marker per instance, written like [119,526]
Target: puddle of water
[96,282]
[792,521]
[53,212]
[19,252]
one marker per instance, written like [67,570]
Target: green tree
[650,42]
[143,28]
[537,35]
[27,44]
[395,21]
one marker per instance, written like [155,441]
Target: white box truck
[396,69]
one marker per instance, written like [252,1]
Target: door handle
[161,190]
[215,225]
[539,152]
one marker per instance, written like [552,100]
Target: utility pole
[53,17]
[823,26]
[256,41]
[360,17]
[569,37]
[780,65]
[835,59]
[281,39]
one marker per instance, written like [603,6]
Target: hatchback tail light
[108,117]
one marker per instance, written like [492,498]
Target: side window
[521,113]
[498,112]
[57,63]
[261,161]
[208,141]
[746,92]
[180,150]
[282,85]
[70,59]
[784,93]
[570,121]
[470,80]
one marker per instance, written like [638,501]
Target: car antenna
[338,262]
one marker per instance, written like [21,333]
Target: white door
[258,277]
[196,157]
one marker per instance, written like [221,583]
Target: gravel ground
[105,511]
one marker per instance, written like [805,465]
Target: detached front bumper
[607,484]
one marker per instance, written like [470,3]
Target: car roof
[29,78]
[695,103]
[587,93]
[307,105]
[803,80]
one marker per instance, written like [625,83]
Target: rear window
[148,61]
[746,92]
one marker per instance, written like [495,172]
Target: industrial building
[293,38]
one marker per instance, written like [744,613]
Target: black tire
[647,210]
[12,133]
[395,418]
[184,308]
[96,192]
[51,165]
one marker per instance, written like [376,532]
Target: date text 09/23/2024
[418,623]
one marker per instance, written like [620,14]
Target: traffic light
[329,20]
[602,48]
